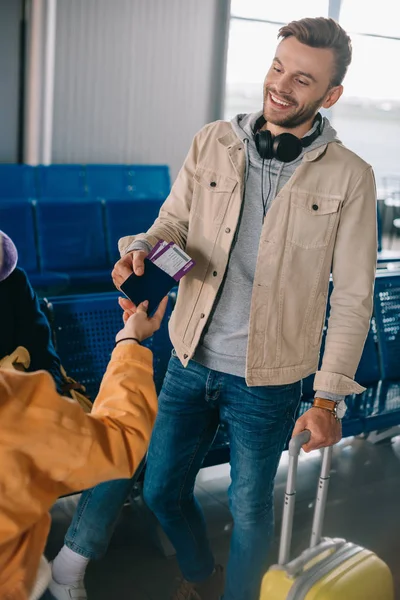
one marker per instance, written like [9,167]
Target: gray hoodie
[223,345]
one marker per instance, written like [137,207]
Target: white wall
[135,79]
[10,11]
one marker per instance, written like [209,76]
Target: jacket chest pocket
[211,195]
[312,220]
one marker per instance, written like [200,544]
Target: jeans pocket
[292,408]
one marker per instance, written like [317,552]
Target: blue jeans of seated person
[96,516]
[192,404]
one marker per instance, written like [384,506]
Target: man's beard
[298,117]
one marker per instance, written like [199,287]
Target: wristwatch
[338,409]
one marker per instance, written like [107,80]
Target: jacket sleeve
[173,221]
[33,330]
[50,447]
[353,272]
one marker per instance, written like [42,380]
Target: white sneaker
[68,592]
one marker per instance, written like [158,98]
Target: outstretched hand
[137,324]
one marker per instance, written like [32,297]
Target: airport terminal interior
[101,104]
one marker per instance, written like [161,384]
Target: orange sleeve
[121,420]
[50,447]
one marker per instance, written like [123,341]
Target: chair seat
[383,411]
[49,282]
[90,277]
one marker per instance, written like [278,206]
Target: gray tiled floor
[363,507]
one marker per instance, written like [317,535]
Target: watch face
[341,409]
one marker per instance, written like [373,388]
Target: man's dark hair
[323,33]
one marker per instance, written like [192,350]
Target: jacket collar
[230,139]
[314,154]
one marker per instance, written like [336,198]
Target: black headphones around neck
[284,147]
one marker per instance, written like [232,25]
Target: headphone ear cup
[286,147]
[263,141]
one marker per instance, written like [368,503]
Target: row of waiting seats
[70,244]
[85,328]
[84,181]
[378,407]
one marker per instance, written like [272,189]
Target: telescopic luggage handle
[295,446]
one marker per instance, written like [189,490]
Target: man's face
[298,84]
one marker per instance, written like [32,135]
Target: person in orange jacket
[49,447]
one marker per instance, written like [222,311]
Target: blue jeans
[96,516]
[192,404]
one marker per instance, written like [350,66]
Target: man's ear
[333,96]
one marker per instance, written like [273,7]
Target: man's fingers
[138,262]
[122,271]
[299,427]
[160,312]
[311,445]
[117,279]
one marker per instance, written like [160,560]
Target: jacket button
[228,230]
[213,184]
[215,273]
[315,206]
[202,316]
[185,356]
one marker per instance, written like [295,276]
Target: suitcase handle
[288,509]
[296,566]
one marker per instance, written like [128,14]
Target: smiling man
[267,205]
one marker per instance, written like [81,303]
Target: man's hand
[325,429]
[139,325]
[133,262]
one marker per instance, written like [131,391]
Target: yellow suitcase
[330,569]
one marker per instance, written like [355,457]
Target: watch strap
[325,404]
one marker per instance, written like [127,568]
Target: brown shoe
[210,589]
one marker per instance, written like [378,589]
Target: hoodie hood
[243,125]
[8,256]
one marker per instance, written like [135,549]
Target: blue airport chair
[109,181]
[150,181]
[17,220]
[61,181]
[387,315]
[17,181]
[71,240]
[383,410]
[85,327]
[128,217]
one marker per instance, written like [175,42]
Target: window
[281,12]
[367,117]
[381,18]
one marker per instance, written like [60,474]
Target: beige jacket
[324,218]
